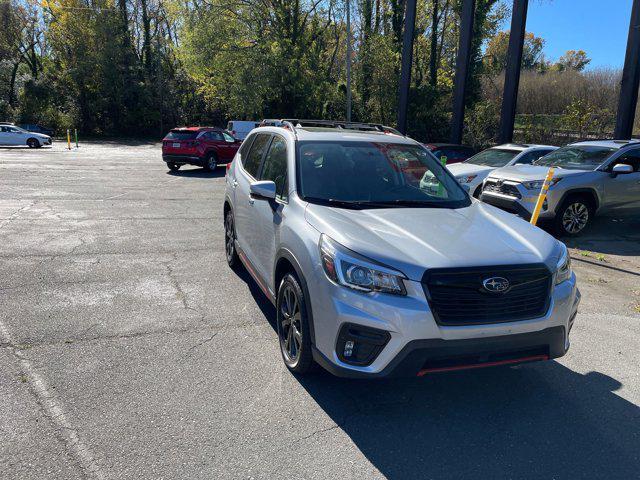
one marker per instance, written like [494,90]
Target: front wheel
[33,143]
[573,216]
[293,326]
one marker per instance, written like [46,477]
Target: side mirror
[263,190]
[621,168]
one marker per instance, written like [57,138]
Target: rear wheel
[173,167]
[211,163]
[293,326]
[574,215]
[230,240]
[33,143]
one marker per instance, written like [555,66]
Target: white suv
[13,136]
[374,274]
[472,172]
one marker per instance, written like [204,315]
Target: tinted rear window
[181,135]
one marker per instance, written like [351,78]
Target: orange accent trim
[255,276]
[532,358]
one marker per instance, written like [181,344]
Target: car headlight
[563,267]
[352,270]
[537,184]
[466,178]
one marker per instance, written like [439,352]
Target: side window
[275,167]
[215,136]
[252,161]
[228,138]
[246,145]
[630,158]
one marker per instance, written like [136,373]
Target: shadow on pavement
[609,235]
[534,421]
[198,172]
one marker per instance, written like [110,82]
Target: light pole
[348,61]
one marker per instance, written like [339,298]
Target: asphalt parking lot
[130,350]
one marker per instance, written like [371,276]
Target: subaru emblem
[496,284]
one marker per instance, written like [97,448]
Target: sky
[599,27]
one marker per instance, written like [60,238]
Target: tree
[572,60]
[495,57]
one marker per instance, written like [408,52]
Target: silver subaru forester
[380,264]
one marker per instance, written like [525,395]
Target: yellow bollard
[443,161]
[541,197]
[68,139]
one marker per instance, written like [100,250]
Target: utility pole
[407,62]
[512,72]
[462,69]
[630,78]
[348,61]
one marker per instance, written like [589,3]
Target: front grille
[502,188]
[457,295]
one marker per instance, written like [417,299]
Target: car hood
[412,240]
[462,169]
[525,173]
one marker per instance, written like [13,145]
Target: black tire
[211,163]
[229,240]
[173,167]
[293,326]
[33,143]
[574,216]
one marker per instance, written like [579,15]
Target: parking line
[53,409]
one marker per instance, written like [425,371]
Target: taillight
[228,166]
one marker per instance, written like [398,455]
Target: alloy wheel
[290,325]
[229,242]
[212,163]
[575,217]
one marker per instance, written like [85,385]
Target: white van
[241,128]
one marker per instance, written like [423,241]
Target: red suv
[203,146]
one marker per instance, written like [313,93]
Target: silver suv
[590,178]
[373,274]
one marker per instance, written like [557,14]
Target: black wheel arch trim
[285,253]
[577,191]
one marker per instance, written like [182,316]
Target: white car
[241,128]
[12,135]
[472,172]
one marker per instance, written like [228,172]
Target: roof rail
[362,126]
[623,143]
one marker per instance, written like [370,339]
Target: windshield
[371,174]
[181,135]
[493,157]
[585,157]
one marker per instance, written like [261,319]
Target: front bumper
[525,203]
[418,345]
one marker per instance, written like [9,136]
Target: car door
[270,214]
[244,214]
[15,136]
[230,146]
[622,192]
[4,136]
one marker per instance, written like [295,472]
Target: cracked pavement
[128,349]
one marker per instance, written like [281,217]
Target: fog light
[360,345]
[348,349]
